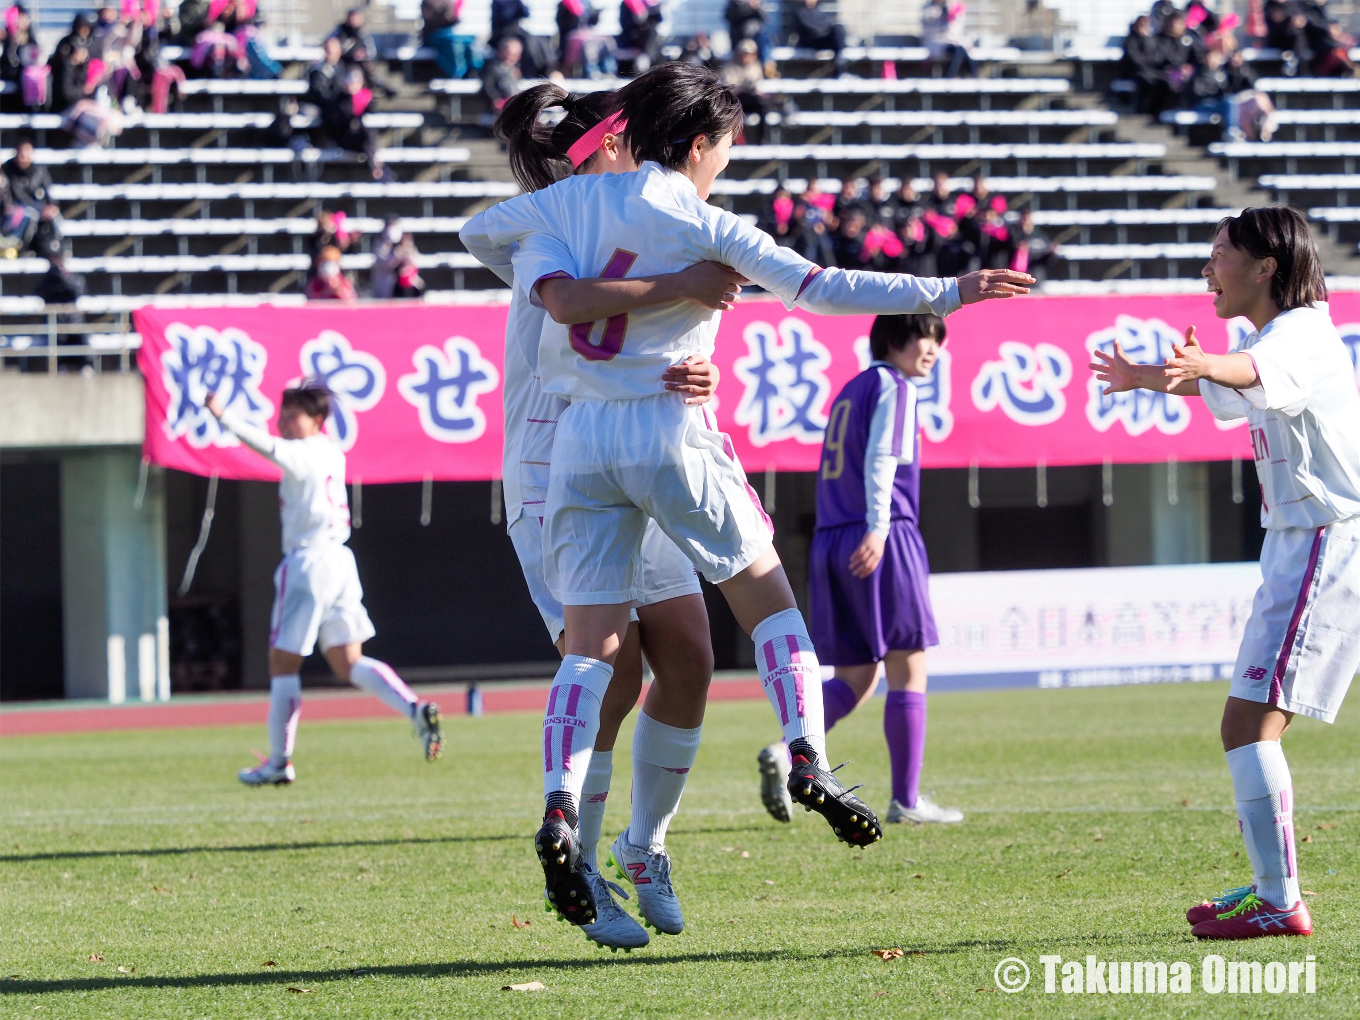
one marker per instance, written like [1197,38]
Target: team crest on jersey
[1147,342]
[785,382]
[356,378]
[932,392]
[1026,382]
[445,386]
[199,360]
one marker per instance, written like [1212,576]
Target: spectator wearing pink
[328,281]
[942,32]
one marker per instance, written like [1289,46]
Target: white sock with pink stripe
[792,678]
[570,725]
[285,705]
[1264,792]
[381,680]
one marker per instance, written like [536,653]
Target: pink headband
[584,147]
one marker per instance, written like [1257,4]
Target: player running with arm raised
[625,450]
[317,595]
[1293,381]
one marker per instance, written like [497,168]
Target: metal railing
[107,345]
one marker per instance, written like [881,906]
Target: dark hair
[312,399]
[893,332]
[673,104]
[1280,232]
[25,134]
[538,152]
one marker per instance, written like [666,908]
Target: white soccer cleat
[649,872]
[926,810]
[266,773]
[429,729]
[774,781]
[613,929]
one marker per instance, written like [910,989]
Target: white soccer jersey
[313,504]
[652,222]
[530,414]
[1304,415]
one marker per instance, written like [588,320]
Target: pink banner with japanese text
[418,386]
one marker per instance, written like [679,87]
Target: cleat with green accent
[267,774]
[774,777]
[429,729]
[816,789]
[649,872]
[565,879]
[1253,918]
[1207,910]
[614,929]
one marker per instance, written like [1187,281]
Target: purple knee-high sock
[838,700]
[904,726]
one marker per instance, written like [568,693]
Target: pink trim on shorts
[283,589]
[1287,649]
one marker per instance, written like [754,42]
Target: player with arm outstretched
[317,595]
[671,621]
[868,585]
[626,450]
[1293,381]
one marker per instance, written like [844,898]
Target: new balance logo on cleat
[852,820]
[636,871]
[566,882]
[649,871]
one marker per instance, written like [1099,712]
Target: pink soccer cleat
[1253,918]
[1207,910]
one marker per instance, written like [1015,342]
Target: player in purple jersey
[868,585]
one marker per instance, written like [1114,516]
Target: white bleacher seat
[1306,118]
[1309,182]
[103,304]
[459,86]
[958,86]
[956,118]
[287,191]
[1000,185]
[1323,214]
[1240,150]
[243,87]
[1286,85]
[379,121]
[293,226]
[1094,54]
[209,156]
[1112,150]
[1130,217]
[985,54]
[283,54]
[1122,252]
[221,263]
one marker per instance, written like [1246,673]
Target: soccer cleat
[774,775]
[267,773]
[614,929]
[1220,904]
[649,871]
[926,810]
[565,876]
[428,729]
[1253,918]
[816,789]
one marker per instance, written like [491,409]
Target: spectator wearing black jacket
[69,65]
[326,79]
[746,19]
[30,192]
[817,29]
[358,49]
[639,31]
[501,77]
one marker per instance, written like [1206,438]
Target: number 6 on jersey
[615,327]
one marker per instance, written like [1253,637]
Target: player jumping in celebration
[317,595]
[1293,381]
[868,592]
[674,621]
[626,450]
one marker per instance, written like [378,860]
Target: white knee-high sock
[594,794]
[285,705]
[381,680]
[1264,793]
[662,758]
[792,678]
[570,725]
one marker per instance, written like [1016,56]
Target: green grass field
[379,886]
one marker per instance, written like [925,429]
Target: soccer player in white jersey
[1294,383]
[626,450]
[317,595]
[586,138]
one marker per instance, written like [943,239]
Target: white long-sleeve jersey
[892,443]
[651,222]
[1304,415]
[313,504]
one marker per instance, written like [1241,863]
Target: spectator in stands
[585,52]
[698,49]
[1031,250]
[19,51]
[850,200]
[69,73]
[1328,45]
[942,33]
[640,31]
[917,257]
[358,49]
[848,243]
[59,285]
[455,53]
[1224,87]
[877,201]
[745,74]
[1172,58]
[328,281]
[782,221]
[814,242]
[906,203]
[539,55]
[343,120]
[332,231]
[395,273]
[325,79]
[501,77]
[816,29]
[1141,61]
[32,215]
[746,19]
[814,197]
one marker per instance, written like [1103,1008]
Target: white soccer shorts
[1301,646]
[665,571]
[318,597]
[618,462]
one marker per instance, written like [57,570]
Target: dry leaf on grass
[518,923]
[746,853]
[269,963]
[889,954]
[96,957]
[1061,874]
[1326,825]
[299,991]
[1309,892]
[126,970]
[769,881]
[528,986]
[1308,839]
[728,849]
[159,888]
[918,875]
[879,995]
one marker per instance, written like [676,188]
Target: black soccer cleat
[852,820]
[566,882]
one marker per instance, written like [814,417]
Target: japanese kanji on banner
[418,386]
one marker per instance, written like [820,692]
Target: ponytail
[538,149]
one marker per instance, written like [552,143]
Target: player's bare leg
[350,664]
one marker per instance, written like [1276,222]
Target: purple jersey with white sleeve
[870,474]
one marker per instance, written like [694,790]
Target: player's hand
[990,284]
[713,285]
[865,559]
[1187,363]
[1117,371]
[697,378]
[214,405]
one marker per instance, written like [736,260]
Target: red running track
[190,710]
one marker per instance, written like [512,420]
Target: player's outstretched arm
[707,284]
[993,285]
[1189,363]
[1119,373]
[256,438]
